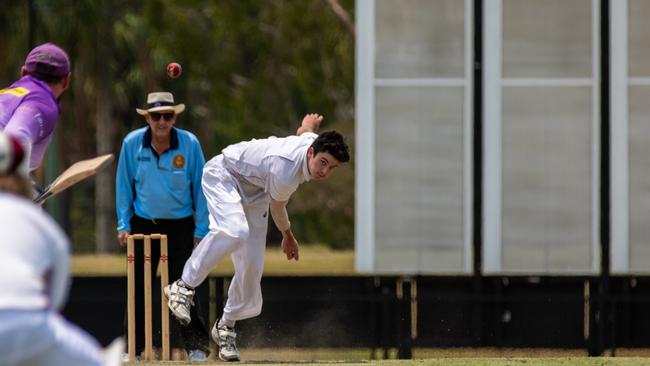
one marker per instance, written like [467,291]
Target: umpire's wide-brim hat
[160,102]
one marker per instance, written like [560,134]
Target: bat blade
[73,175]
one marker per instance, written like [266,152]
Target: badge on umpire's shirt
[179,161]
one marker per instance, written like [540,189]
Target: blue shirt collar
[173,142]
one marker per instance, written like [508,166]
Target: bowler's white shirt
[31,246]
[275,165]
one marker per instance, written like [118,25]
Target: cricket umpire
[158,190]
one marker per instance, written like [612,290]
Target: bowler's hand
[121,237]
[310,123]
[290,247]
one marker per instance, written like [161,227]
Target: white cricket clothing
[238,186]
[31,246]
[32,337]
[33,250]
[278,165]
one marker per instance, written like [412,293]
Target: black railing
[398,313]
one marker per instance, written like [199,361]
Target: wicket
[164,310]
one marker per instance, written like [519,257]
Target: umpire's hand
[121,237]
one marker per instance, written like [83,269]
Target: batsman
[241,185]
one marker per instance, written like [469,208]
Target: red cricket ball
[174,70]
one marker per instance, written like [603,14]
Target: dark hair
[49,79]
[333,143]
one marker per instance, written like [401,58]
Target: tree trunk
[105,235]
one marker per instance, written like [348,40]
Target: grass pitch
[424,357]
[560,361]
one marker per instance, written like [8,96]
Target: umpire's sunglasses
[156,116]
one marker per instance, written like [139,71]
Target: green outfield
[314,260]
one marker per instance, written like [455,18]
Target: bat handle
[40,199]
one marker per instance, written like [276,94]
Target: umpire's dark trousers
[180,242]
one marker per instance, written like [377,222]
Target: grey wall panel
[639,184]
[639,38]
[547,38]
[419,179]
[420,38]
[546,223]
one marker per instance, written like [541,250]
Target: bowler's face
[320,165]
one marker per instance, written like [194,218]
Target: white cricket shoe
[125,358]
[196,355]
[180,301]
[112,354]
[225,337]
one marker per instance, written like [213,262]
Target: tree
[250,69]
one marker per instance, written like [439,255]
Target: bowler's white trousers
[38,337]
[238,224]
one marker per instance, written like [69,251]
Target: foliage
[250,69]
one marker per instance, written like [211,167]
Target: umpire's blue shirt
[160,187]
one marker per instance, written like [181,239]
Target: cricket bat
[73,175]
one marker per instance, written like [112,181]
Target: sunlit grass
[314,260]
